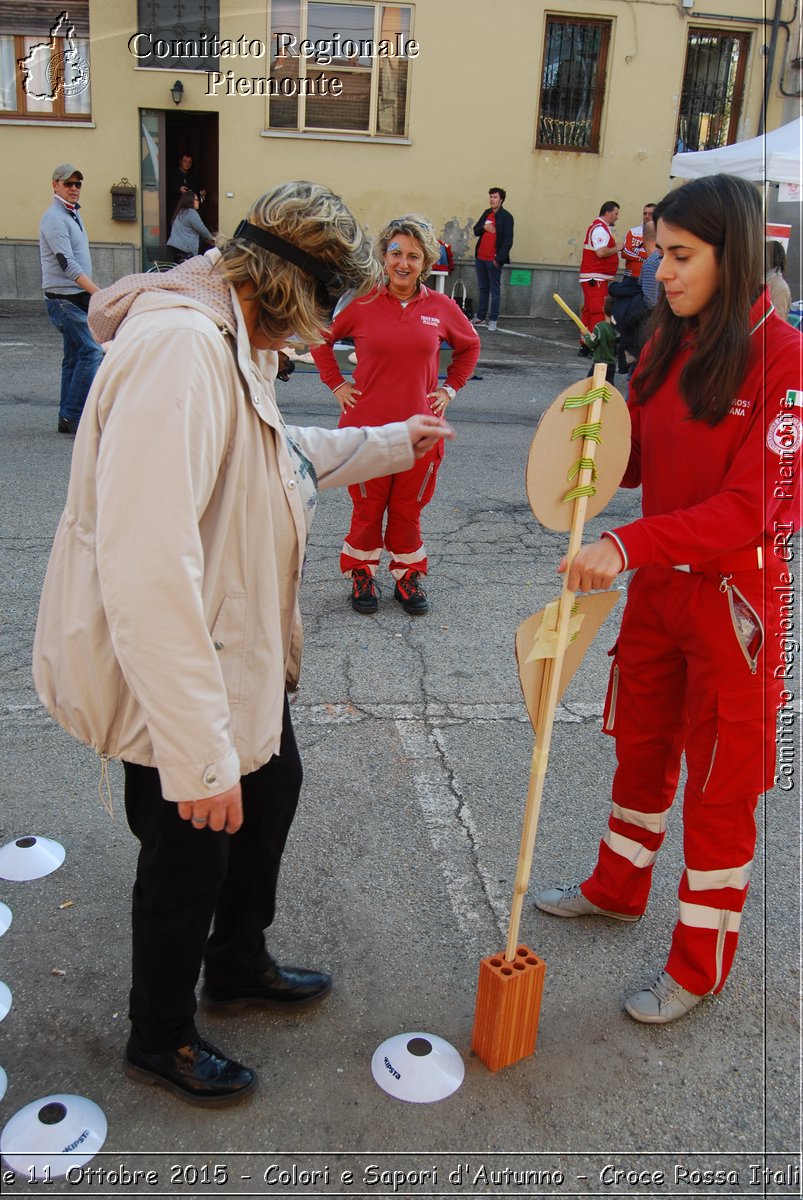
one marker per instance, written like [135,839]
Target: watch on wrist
[450,392]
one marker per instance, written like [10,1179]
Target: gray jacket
[63,249]
[187,230]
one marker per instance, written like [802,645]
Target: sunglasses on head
[79,183]
[328,283]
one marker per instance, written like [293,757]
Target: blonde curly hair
[318,222]
[420,231]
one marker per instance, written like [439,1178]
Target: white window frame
[305,65]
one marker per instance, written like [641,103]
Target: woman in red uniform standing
[717,412]
[398,331]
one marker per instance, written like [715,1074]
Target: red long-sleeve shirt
[397,353]
[709,491]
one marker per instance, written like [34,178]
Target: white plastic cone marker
[30,858]
[418,1067]
[5,918]
[5,1000]
[3,1083]
[46,1138]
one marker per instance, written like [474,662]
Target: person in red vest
[598,266]
[633,250]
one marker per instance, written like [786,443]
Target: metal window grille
[713,83]
[183,24]
[573,84]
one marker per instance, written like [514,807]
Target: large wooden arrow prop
[577,459]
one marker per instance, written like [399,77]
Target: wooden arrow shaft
[550,686]
[571,314]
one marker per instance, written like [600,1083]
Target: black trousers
[188,878]
[610,372]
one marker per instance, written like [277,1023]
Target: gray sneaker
[492,326]
[570,902]
[661,1003]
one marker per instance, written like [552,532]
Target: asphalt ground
[398,875]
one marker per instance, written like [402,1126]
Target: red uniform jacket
[710,491]
[397,353]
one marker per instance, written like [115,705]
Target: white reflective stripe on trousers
[625,847]
[723,877]
[654,822]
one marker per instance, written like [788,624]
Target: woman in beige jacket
[169,627]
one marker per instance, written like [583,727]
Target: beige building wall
[474,93]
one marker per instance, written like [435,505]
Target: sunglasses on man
[77,183]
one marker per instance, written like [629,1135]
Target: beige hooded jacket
[168,621]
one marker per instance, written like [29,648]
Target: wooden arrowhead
[536,634]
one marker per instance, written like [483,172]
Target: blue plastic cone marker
[5,918]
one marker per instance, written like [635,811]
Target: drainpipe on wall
[776,22]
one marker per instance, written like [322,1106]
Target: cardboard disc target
[49,1136]
[3,1083]
[5,1000]
[553,454]
[30,857]
[5,918]
[418,1067]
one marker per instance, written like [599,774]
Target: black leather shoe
[66,426]
[277,987]
[198,1073]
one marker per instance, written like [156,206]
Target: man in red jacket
[598,265]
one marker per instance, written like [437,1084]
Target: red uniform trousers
[594,293]
[402,496]
[681,682]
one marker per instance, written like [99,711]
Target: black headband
[319,270]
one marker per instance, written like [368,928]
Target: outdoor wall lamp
[177,91]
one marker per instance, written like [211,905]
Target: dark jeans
[186,877]
[82,356]
[489,278]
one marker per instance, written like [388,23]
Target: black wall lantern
[177,91]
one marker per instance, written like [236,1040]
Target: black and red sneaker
[364,591]
[411,595]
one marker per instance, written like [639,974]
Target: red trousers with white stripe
[681,683]
[402,497]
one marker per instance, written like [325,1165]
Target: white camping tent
[772,158]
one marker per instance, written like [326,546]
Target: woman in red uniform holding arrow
[700,665]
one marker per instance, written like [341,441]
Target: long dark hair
[775,257]
[187,200]
[726,212]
